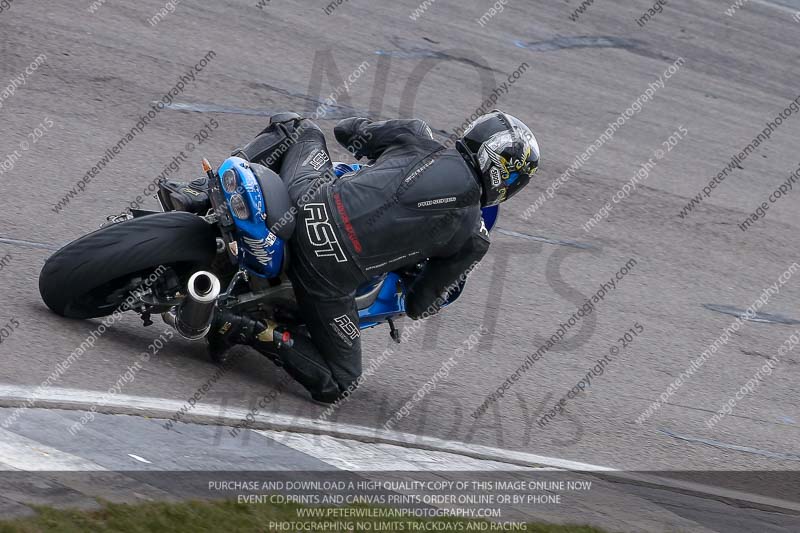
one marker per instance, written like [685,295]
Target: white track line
[57,398]
[21,453]
[356,456]
[29,244]
[775,5]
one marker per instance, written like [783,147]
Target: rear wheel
[92,276]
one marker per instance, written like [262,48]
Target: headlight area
[239,207]
[230,181]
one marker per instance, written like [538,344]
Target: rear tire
[84,278]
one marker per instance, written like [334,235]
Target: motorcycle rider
[417,201]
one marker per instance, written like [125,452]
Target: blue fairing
[490,215]
[389,304]
[262,253]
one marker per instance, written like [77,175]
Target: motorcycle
[212,234]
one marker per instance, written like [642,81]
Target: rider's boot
[300,358]
[227,330]
[183,196]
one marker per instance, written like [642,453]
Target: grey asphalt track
[104,69]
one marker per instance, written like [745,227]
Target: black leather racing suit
[416,201]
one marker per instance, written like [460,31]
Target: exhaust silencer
[192,319]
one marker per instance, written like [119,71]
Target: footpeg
[280,336]
[282,339]
[394,333]
[146,320]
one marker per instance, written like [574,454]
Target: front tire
[88,277]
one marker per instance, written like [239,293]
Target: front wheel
[92,276]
